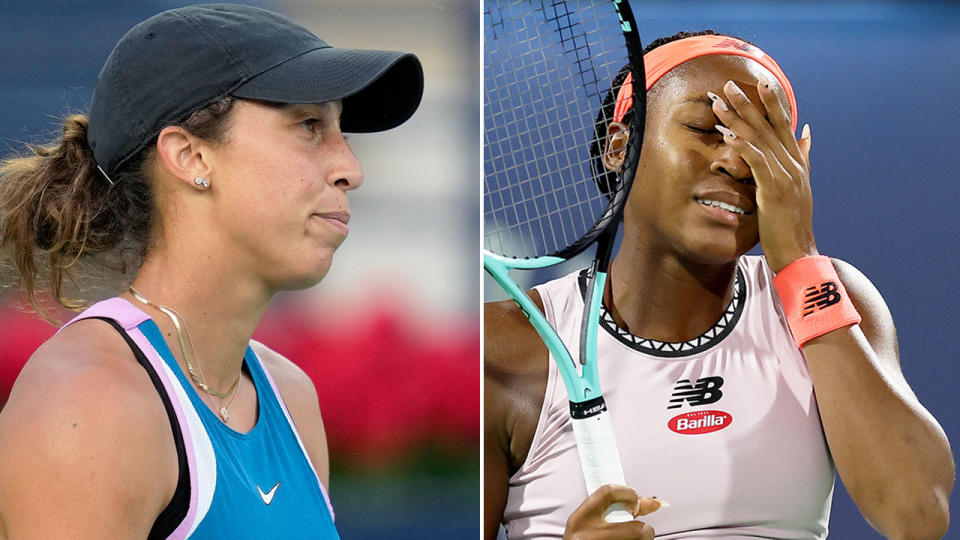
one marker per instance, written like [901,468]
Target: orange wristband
[813,298]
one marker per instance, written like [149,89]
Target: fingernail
[805,133]
[663,503]
[735,88]
[726,131]
[716,99]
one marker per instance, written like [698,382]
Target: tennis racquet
[549,65]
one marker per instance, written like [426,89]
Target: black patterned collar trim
[708,339]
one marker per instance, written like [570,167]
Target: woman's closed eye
[708,130]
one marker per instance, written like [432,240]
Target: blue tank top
[260,484]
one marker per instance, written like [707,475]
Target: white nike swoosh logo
[267,497]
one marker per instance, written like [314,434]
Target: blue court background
[878,83]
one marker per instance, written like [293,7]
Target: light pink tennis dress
[725,427]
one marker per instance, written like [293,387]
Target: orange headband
[668,56]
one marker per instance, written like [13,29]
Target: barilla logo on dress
[699,422]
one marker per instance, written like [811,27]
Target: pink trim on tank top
[183,529]
[130,318]
[117,309]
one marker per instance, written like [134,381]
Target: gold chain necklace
[197,380]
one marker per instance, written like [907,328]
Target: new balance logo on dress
[703,392]
[817,298]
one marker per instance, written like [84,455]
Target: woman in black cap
[213,169]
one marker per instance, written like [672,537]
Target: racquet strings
[548,64]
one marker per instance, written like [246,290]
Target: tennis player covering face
[214,152]
[738,385]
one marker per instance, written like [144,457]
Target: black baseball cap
[183,59]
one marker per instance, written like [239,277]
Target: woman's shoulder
[82,420]
[294,384]
[516,364]
[510,342]
[89,365]
[86,376]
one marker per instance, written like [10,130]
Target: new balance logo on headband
[816,298]
[702,392]
[737,44]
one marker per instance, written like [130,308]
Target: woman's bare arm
[891,453]
[86,445]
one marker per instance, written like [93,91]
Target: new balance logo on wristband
[816,298]
[702,392]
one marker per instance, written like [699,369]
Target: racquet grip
[600,459]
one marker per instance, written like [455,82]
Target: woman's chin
[718,253]
[302,278]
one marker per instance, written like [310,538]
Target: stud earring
[202,182]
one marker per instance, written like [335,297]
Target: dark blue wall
[50,54]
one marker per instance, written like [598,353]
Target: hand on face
[587,521]
[781,169]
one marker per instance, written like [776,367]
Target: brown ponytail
[57,210]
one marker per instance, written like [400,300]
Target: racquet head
[553,180]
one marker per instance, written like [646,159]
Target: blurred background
[877,81]
[391,336]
